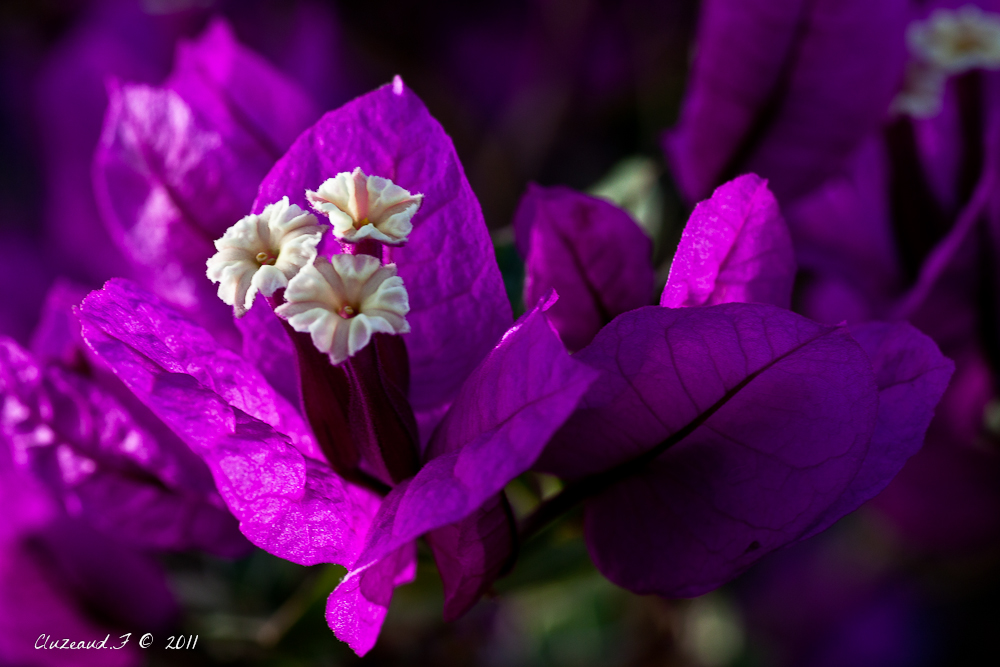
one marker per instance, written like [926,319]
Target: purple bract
[736,428]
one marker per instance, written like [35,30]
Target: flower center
[967,44]
[266,258]
[347,312]
[364,207]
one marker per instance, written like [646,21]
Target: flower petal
[356,609]
[223,409]
[239,92]
[503,416]
[471,552]
[144,486]
[911,375]
[267,346]
[176,166]
[735,247]
[167,184]
[772,416]
[590,251]
[786,89]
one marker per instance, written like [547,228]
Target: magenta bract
[737,428]
[735,248]
[590,251]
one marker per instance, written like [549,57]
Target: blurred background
[569,92]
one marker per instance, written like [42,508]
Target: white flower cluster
[949,42]
[342,302]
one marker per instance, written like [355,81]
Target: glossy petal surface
[91,453]
[178,165]
[167,185]
[735,248]
[224,410]
[458,307]
[267,346]
[765,416]
[591,252]
[356,609]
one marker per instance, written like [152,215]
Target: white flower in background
[948,42]
[957,40]
[262,252]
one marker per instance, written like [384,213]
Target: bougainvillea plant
[700,434]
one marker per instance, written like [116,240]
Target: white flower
[345,301]
[262,252]
[957,40]
[362,207]
[948,42]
